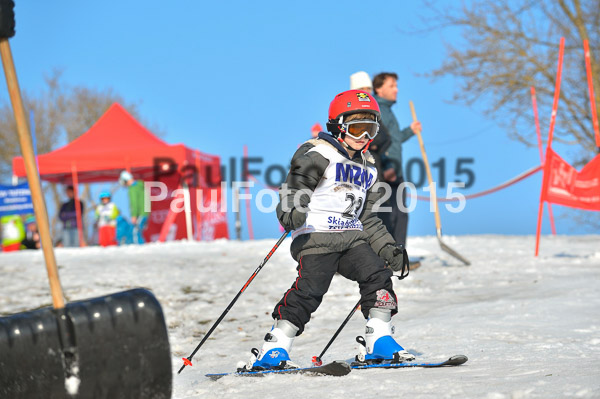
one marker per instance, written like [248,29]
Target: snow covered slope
[530,327]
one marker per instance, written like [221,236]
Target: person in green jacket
[139,217]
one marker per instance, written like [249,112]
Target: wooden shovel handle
[432,187]
[37,197]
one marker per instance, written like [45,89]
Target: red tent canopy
[115,142]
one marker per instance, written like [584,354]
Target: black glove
[293,220]
[395,256]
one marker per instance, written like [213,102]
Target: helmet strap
[342,142]
[367,146]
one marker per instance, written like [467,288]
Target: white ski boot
[276,348]
[378,344]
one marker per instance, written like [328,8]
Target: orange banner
[564,185]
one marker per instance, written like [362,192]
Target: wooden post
[432,187]
[37,196]
[77,205]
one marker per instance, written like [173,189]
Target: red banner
[564,185]
[167,220]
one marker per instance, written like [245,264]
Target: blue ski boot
[379,345]
[275,351]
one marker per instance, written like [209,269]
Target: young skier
[327,203]
[106,219]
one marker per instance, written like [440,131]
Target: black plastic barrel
[117,345]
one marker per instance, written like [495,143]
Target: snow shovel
[438,222]
[114,346]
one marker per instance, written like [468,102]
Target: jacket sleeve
[391,125]
[114,213]
[61,214]
[379,237]
[136,199]
[306,171]
[406,133]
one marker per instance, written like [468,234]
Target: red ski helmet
[350,102]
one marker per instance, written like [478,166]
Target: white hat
[125,177]
[359,80]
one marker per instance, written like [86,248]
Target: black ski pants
[315,273]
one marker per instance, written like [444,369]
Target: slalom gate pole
[187,361]
[316,360]
[432,190]
[540,146]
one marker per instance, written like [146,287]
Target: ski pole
[316,360]
[187,361]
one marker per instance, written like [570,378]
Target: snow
[72,385]
[530,327]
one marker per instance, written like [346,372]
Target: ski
[453,361]
[336,369]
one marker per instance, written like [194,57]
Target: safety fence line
[507,183]
[510,182]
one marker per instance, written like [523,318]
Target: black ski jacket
[306,171]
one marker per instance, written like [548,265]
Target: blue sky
[220,75]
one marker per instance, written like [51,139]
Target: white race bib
[340,195]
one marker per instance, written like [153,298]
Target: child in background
[106,220]
[32,235]
[13,232]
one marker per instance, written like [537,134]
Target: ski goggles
[360,128]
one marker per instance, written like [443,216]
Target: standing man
[386,91]
[362,81]
[139,216]
[68,217]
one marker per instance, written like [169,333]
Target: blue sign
[15,200]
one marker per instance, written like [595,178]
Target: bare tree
[47,109]
[61,113]
[510,45]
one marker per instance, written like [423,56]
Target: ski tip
[344,365]
[215,377]
[337,368]
[457,360]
